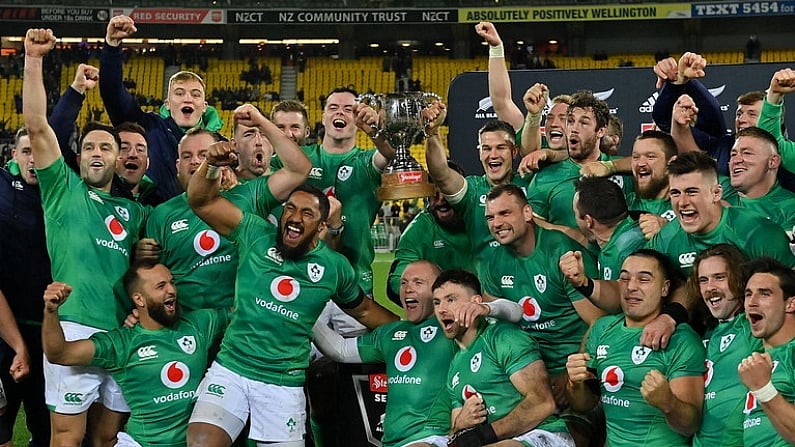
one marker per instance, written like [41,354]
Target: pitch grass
[380,271]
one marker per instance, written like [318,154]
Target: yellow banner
[643,11]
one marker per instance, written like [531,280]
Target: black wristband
[676,311]
[587,289]
[476,436]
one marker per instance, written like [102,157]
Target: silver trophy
[401,117]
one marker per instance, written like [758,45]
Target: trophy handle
[371,99]
[427,96]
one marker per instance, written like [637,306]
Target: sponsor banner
[337,16]
[55,14]
[175,16]
[645,11]
[729,9]
[629,92]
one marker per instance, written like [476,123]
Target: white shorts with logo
[278,413]
[543,438]
[72,389]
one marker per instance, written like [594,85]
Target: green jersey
[277,301]
[778,206]
[353,179]
[158,372]
[622,363]
[486,365]
[546,297]
[418,404]
[472,208]
[770,120]
[758,431]
[203,263]
[659,207]
[727,345]
[626,239]
[754,235]
[425,239]
[551,193]
[90,236]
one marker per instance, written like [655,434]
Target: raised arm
[43,142]
[535,99]
[782,82]
[64,114]
[499,81]
[295,163]
[756,373]
[367,120]
[56,348]
[204,190]
[446,179]
[119,103]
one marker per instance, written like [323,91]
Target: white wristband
[496,51]
[766,393]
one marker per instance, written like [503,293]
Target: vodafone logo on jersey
[468,392]
[175,374]
[116,229]
[708,370]
[206,242]
[750,403]
[405,358]
[613,378]
[285,288]
[330,191]
[531,311]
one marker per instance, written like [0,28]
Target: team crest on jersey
[175,374]
[405,358]
[639,354]
[613,378]
[344,172]
[315,271]
[427,333]
[475,362]
[206,242]
[187,343]
[531,311]
[618,180]
[123,213]
[116,229]
[607,274]
[95,197]
[540,282]
[725,341]
[708,371]
[285,288]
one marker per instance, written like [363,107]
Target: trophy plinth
[401,114]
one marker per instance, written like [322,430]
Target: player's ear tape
[476,436]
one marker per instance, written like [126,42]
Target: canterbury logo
[216,389]
[146,352]
[73,398]
[507,280]
[687,259]
[179,225]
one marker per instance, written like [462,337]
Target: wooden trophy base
[404,185]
